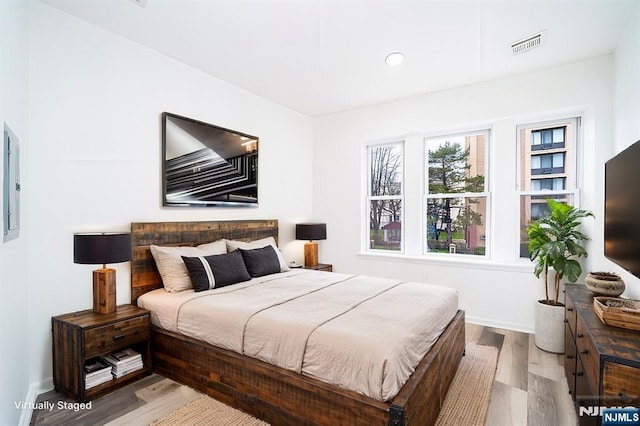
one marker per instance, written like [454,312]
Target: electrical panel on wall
[11,186]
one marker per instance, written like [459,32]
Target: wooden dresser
[602,363]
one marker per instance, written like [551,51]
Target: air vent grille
[528,43]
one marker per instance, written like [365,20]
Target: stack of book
[96,372]
[124,362]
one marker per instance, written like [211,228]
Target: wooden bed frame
[276,395]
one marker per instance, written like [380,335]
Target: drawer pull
[627,399]
[569,356]
[566,320]
[580,374]
[570,309]
[119,336]
[584,352]
[580,335]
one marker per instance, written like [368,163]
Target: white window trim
[486,193]
[367,209]
[573,181]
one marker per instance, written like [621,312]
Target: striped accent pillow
[215,271]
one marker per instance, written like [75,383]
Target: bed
[278,395]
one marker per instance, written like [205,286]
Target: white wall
[627,110]
[500,292]
[95,156]
[92,162]
[14,63]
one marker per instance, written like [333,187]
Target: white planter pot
[550,328]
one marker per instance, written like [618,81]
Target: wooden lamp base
[104,291]
[311,254]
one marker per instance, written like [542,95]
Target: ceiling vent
[141,3]
[528,43]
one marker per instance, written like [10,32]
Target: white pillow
[233,245]
[174,273]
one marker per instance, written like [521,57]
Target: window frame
[369,198]
[572,188]
[486,194]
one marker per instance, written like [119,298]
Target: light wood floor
[529,389]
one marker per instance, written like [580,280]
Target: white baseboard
[500,324]
[35,389]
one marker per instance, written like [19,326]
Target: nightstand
[327,267]
[83,335]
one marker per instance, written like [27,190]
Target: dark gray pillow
[215,271]
[261,261]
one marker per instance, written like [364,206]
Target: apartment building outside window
[547,169]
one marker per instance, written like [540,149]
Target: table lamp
[311,232]
[102,248]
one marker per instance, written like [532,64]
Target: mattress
[362,333]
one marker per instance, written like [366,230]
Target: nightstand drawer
[119,334]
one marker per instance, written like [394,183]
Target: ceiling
[324,56]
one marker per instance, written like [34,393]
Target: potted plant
[554,243]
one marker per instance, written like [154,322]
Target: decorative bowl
[604,283]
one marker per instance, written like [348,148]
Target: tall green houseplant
[554,241]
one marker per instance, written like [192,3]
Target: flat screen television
[622,209]
[207,165]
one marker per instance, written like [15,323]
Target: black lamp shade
[311,231]
[101,248]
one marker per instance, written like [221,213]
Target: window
[546,169]
[385,196]
[554,184]
[547,138]
[547,163]
[456,207]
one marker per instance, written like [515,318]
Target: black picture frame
[204,165]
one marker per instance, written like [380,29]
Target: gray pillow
[215,271]
[261,261]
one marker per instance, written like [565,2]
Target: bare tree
[386,168]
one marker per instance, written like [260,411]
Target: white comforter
[362,333]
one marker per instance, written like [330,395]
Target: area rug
[207,411]
[466,402]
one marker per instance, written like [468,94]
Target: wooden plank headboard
[144,274]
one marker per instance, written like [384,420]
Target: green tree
[448,174]
[467,218]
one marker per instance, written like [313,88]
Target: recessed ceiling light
[394,59]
